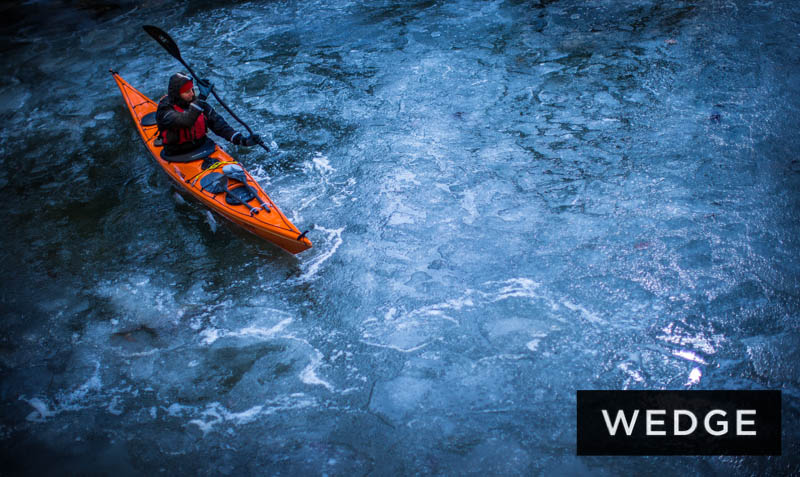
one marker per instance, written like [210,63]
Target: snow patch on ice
[309,375]
[214,413]
[258,332]
[439,309]
[397,348]
[210,335]
[218,414]
[694,377]
[691,356]
[533,344]
[587,315]
[321,163]
[40,410]
[314,265]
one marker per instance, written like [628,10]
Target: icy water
[509,201]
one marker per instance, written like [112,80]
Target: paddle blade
[164,40]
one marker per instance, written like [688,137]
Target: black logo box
[594,437]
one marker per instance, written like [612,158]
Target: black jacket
[171,121]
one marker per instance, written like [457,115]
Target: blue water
[509,201]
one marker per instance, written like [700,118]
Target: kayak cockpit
[202,152]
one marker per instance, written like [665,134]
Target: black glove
[204,88]
[248,141]
[251,140]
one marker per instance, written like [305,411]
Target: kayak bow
[259,215]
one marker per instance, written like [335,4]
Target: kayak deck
[267,222]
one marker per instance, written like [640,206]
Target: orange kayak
[258,215]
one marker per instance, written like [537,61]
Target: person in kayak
[183,118]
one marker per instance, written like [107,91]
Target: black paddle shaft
[169,44]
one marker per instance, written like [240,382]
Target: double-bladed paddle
[169,44]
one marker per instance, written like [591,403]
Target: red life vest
[185,135]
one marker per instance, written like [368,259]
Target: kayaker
[184,118]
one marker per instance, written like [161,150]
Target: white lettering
[741,423]
[652,422]
[612,430]
[723,424]
[677,418]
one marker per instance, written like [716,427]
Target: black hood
[173,91]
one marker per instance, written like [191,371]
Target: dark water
[509,201]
